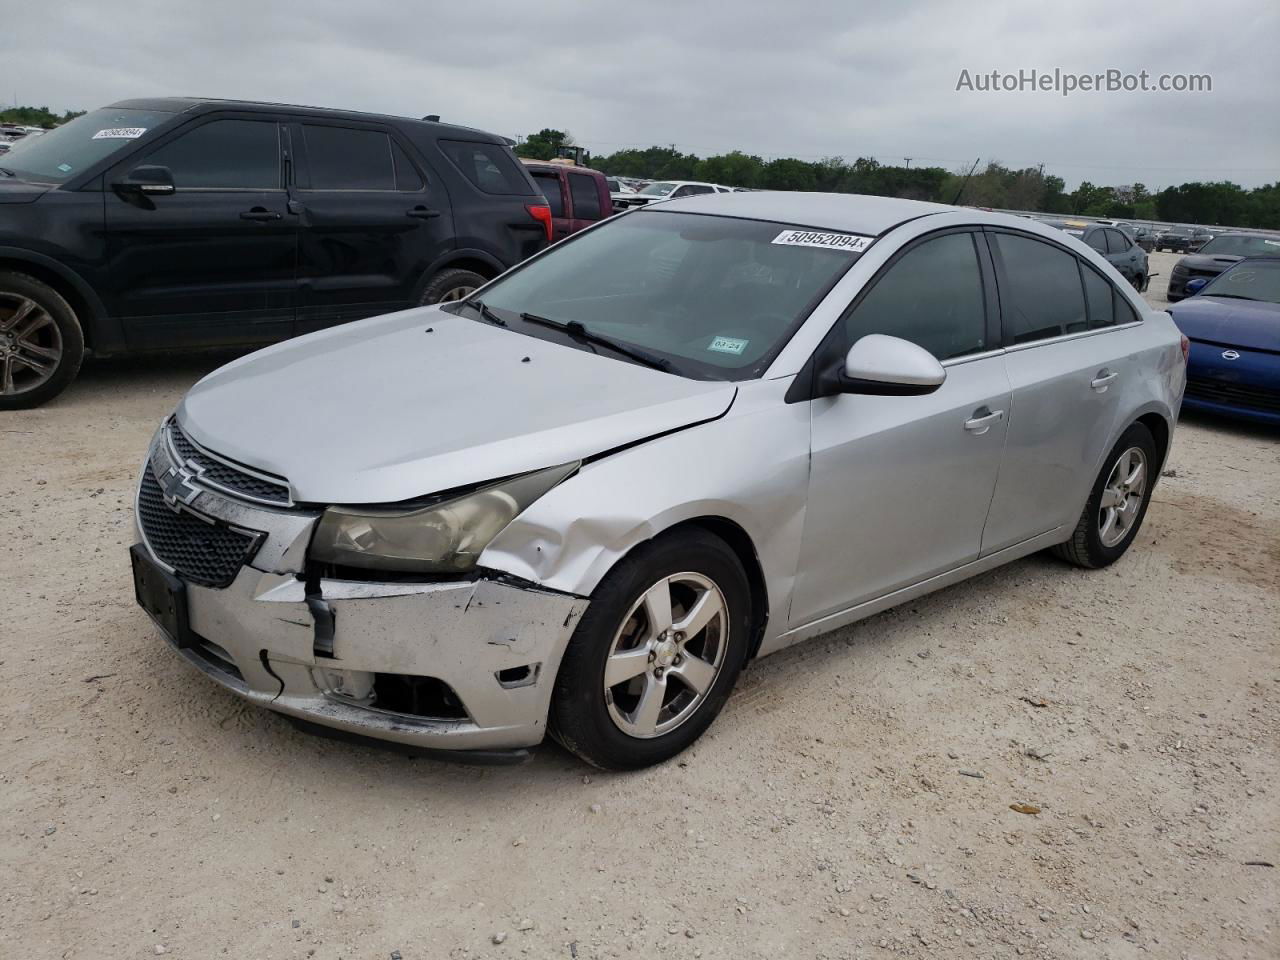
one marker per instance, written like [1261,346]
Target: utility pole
[908,159]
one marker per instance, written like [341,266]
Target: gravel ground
[853,801]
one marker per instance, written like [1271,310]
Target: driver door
[900,487]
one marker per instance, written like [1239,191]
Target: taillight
[1186,348]
[542,213]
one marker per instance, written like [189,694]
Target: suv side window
[932,296]
[549,184]
[490,167]
[408,179]
[1098,293]
[344,158]
[1040,291]
[586,198]
[224,155]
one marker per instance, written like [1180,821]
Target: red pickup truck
[579,196]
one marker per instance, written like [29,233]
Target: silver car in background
[580,501]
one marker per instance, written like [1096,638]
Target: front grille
[203,552]
[1234,394]
[224,476]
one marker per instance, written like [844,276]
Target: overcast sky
[804,78]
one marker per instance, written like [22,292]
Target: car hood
[13,190]
[417,402]
[1249,324]
[1217,262]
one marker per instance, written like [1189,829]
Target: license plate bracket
[163,596]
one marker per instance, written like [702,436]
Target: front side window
[223,155]
[344,158]
[586,198]
[717,297]
[77,145]
[1040,291]
[931,296]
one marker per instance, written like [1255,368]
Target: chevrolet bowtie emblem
[177,487]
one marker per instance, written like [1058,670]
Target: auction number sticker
[728,345]
[120,133]
[827,241]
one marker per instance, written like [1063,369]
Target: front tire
[656,655]
[41,343]
[1117,503]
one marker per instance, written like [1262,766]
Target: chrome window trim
[971,357]
[1079,334]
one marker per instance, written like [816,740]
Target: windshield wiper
[484,312]
[575,329]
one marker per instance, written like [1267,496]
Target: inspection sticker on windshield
[829,241]
[728,345]
[120,133]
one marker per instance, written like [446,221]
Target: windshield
[717,297]
[78,144]
[1250,280]
[658,189]
[1242,246]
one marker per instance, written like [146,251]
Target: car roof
[544,165]
[203,104]
[849,212]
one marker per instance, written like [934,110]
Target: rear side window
[1040,291]
[224,154]
[1117,242]
[1124,309]
[1097,239]
[489,166]
[549,185]
[932,296]
[1098,293]
[586,198]
[341,158]
[407,177]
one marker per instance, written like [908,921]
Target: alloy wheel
[456,293]
[1122,496]
[30,344]
[666,656]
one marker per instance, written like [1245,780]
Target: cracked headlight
[446,537]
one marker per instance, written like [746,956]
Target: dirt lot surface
[853,800]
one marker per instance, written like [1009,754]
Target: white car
[674,190]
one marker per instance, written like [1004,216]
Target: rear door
[1068,370]
[899,486]
[371,219]
[551,183]
[215,262]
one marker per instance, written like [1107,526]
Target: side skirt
[868,608]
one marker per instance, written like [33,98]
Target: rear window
[341,158]
[586,197]
[490,167]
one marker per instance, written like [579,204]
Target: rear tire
[668,683]
[1117,503]
[41,343]
[450,285]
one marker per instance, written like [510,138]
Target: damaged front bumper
[462,665]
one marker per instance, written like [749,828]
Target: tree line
[994,185]
[36,116]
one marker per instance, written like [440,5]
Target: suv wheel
[1117,503]
[449,285]
[41,344]
[655,656]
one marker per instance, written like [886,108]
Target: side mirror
[151,181]
[1196,285]
[878,365]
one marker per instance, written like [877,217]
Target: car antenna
[965,182]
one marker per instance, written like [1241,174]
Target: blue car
[1233,323]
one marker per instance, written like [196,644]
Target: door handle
[260,214]
[1103,378]
[422,213]
[982,420]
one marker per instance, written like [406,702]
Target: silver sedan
[582,499]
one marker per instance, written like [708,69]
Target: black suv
[159,224]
